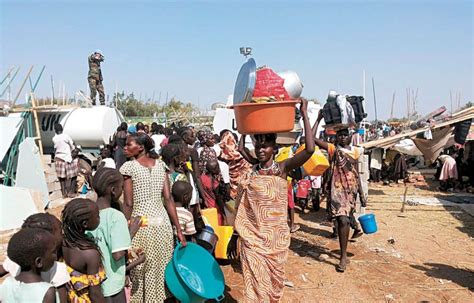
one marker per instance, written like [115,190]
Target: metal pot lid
[245,83]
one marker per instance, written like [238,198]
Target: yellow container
[283,154]
[225,234]
[189,165]
[210,217]
[317,164]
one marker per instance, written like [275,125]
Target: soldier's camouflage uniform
[95,80]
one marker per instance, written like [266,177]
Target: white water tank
[88,127]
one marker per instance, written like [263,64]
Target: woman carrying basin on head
[261,221]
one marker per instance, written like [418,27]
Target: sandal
[295,228]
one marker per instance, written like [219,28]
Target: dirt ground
[430,260]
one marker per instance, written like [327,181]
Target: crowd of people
[151,184]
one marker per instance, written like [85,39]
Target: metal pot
[293,84]
[207,239]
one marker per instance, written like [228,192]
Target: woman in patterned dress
[261,221]
[344,185]
[147,193]
[238,166]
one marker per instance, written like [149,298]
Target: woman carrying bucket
[344,185]
[261,221]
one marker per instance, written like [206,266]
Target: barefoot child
[34,250]
[57,275]
[344,186]
[113,236]
[182,192]
[81,253]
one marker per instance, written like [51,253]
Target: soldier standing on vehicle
[95,77]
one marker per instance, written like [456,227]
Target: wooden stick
[10,80]
[393,102]
[35,115]
[404,198]
[7,75]
[22,85]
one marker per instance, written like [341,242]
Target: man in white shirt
[158,136]
[63,145]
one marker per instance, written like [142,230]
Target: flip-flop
[295,228]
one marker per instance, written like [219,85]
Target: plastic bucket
[210,217]
[317,164]
[368,223]
[193,275]
[265,118]
[225,234]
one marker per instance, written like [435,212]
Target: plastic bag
[269,84]
[347,113]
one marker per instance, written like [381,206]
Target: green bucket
[193,275]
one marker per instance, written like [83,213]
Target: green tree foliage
[468,104]
[132,107]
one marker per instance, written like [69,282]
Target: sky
[190,49]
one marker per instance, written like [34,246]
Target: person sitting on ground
[81,253]
[182,193]
[57,275]
[113,235]
[344,186]
[106,155]
[261,221]
[210,182]
[34,250]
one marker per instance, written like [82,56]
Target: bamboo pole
[52,90]
[393,102]
[35,116]
[375,100]
[7,75]
[10,80]
[451,99]
[22,85]
[64,94]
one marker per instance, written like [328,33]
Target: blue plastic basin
[193,275]
[368,223]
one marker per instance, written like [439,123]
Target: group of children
[84,257]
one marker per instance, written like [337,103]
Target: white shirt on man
[158,139]
[63,146]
